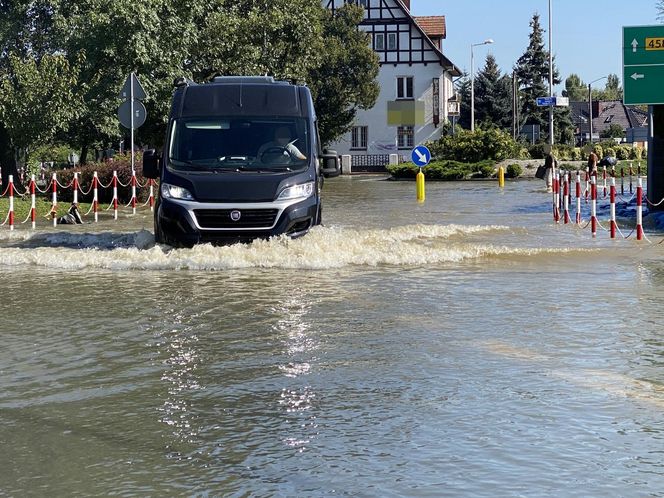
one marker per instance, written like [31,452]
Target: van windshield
[239,143]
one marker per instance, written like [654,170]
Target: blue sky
[589,53]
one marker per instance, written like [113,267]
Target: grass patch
[43,207]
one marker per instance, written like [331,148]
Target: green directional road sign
[643,64]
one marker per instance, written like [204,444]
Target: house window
[405,137]
[391,41]
[609,118]
[363,3]
[405,87]
[359,136]
[379,41]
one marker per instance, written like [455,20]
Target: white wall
[382,139]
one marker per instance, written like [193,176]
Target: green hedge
[473,147]
[446,170]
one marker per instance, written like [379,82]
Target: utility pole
[550,78]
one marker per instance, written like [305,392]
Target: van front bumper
[188,223]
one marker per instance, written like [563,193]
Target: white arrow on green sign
[643,64]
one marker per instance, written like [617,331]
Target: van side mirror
[150,164]
[330,163]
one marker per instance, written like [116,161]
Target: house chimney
[407,4]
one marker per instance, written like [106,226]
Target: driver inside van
[280,150]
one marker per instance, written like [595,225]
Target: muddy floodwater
[463,347]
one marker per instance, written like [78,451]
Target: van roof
[243,96]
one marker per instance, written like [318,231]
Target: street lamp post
[550,78]
[472,82]
[590,106]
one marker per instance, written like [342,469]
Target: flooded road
[461,347]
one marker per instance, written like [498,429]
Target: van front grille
[224,219]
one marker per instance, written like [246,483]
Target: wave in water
[320,249]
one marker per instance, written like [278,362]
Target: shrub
[444,170]
[636,153]
[473,147]
[513,171]
[622,152]
[609,152]
[120,163]
[599,150]
[577,154]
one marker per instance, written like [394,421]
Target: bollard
[54,207]
[151,198]
[593,205]
[33,205]
[420,186]
[75,185]
[501,176]
[556,196]
[631,172]
[11,202]
[115,195]
[133,191]
[613,208]
[638,170]
[566,198]
[604,180]
[622,181]
[587,191]
[95,196]
[639,209]
[578,197]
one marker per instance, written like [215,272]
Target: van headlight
[175,192]
[300,191]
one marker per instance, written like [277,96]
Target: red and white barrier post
[151,198]
[33,205]
[631,172]
[566,191]
[556,196]
[639,209]
[578,197]
[604,179]
[622,181]
[95,196]
[75,187]
[133,191]
[613,208]
[11,202]
[593,205]
[587,191]
[54,207]
[115,195]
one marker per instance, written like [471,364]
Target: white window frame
[359,138]
[405,137]
[402,84]
[392,37]
[379,36]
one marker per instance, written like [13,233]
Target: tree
[463,91]
[613,131]
[660,10]
[493,96]
[532,70]
[612,90]
[345,78]
[576,89]
[104,40]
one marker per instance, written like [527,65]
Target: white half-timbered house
[415,83]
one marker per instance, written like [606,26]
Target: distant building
[415,78]
[605,113]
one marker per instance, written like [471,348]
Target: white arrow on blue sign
[421,156]
[542,101]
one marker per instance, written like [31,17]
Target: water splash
[323,248]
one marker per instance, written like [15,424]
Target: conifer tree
[493,97]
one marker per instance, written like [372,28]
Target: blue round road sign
[421,156]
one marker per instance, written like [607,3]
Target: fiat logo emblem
[236,215]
